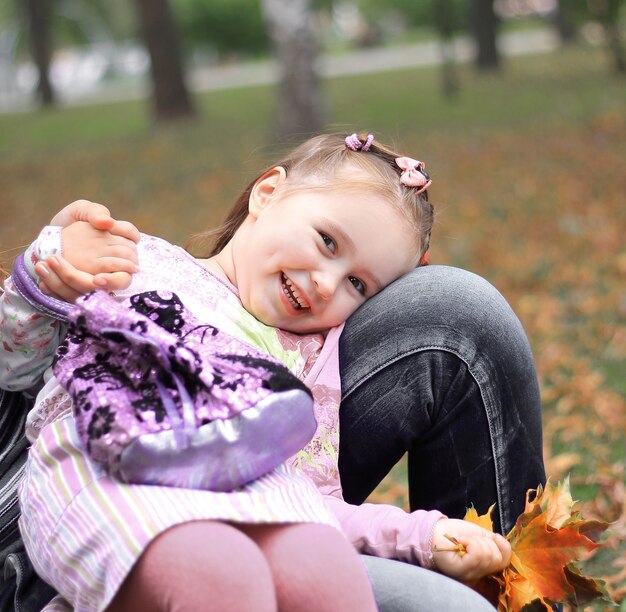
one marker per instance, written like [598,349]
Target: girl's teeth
[292,294]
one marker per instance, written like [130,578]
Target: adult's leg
[438,365]
[20,587]
[201,565]
[314,568]
[400,587]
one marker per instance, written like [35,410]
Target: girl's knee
[199,565]
[315,568]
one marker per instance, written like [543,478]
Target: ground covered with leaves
[529,186]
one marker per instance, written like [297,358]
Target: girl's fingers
[115,281]
[485,552]
[84,210]
[63,280]
[96,215]
[60,292]
[504,546]
[491,558]
[120,248]
[125,229]
[108,265]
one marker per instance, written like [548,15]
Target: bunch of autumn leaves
[548,539]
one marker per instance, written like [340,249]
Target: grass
[529,183]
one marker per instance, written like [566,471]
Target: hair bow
[354,143]
[413,173]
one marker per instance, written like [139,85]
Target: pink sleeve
[386,531]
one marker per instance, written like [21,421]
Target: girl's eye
[357,284]
[329,242]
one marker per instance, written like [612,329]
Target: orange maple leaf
[548,538]
[541,552]
[484,520]
[556,502]
[518,592]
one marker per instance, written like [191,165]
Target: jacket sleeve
[382,530]
[28,338]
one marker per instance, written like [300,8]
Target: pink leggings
[207,565]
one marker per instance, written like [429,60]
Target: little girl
[306,244]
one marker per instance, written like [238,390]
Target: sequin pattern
[124,363]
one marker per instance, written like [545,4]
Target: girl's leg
[438,365]
[201,565]
[314,568]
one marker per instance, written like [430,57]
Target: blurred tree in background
[484,25]
[447,23]
[170,97]
[608,12]
[563,21]
[36,28]
[300,108]
[38,16]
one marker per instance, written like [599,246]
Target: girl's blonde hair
[325,162]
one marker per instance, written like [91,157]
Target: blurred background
[164,110]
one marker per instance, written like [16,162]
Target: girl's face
[305,261]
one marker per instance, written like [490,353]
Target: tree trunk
[444,21]
[610,20]
[299,105]
[171,99]
[39,14]
[484,24]
[563,24]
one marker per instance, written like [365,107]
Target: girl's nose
[326,283]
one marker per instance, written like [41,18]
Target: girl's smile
[293,294]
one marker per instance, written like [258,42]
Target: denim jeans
[400,587]
[21,590]
[438,366]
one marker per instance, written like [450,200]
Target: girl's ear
[264,189]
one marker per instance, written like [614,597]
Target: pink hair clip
[413,173]
[354,143]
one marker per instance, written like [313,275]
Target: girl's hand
[92,259]
[485,552]
[62,280]
[107,263]
[99,252]
[97,216]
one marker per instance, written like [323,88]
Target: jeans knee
[434,307]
